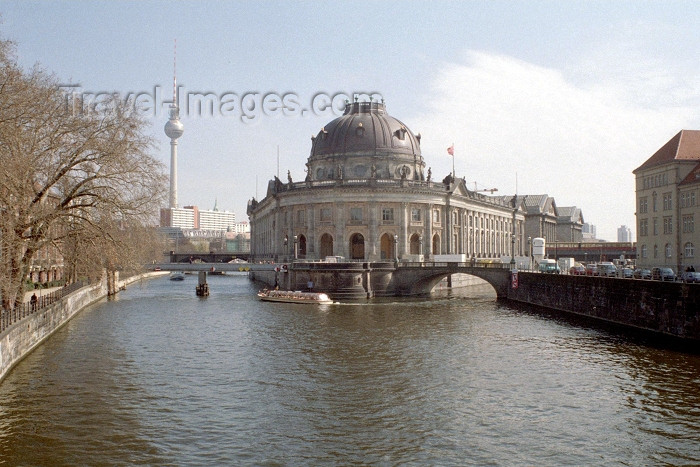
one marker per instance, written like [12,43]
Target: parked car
[577,270]
[549,266]
[641,273]
[626,273]
[592,269]
[663,274]
[607,269]
[690,276]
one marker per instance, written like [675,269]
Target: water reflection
[160,376]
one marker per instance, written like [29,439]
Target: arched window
[644,251]
[326,245]
[386,245]
[357,246]
[436,244]
[415,244]
[301,245]
[667,249]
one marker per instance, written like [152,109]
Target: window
[436,216]
[325,215]
[688,224]
[692,198]
[668,205]
[388,214]
[683,197]
[355,214]
[668,250]
[644,251]
[656,226]
[301,217]
[668,225]
[653,201]
[643,227]
[689,250]
[656,251]
[415,215]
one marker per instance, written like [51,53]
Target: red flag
[451,150]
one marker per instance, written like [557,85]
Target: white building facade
[368,197]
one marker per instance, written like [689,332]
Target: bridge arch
[419,279]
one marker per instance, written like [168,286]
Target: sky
[538,97]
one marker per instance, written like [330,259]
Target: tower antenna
[174,129]
[175,74]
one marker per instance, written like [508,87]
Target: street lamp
[529,253]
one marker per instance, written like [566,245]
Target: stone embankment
[670,309]
[22,337]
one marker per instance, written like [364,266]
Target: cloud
[578,142]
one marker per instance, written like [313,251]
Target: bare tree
[68,170]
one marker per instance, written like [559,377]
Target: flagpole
[453,163]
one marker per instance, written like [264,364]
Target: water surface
[159,376]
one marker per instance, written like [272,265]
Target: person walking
[33,301]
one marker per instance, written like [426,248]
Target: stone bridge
[354,280]
[380,279]
[420,278]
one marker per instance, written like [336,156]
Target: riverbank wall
[22,337]
[671,309]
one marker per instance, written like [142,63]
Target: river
[158,376]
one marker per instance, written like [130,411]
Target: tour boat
[289,296]
[177,276]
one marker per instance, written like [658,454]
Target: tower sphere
[174,129]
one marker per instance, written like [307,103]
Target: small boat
[289,296]
[177,276]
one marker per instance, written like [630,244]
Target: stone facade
[367,196]
[668,203]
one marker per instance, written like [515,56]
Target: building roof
[692,177]
[685,146]
[540,204]
[365,128]
[570,214]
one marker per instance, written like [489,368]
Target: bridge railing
[444,264]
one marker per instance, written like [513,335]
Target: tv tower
[174,129]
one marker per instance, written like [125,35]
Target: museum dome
[365,137]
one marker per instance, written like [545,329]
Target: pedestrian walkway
[39,293]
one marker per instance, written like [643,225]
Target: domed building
[367,196]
